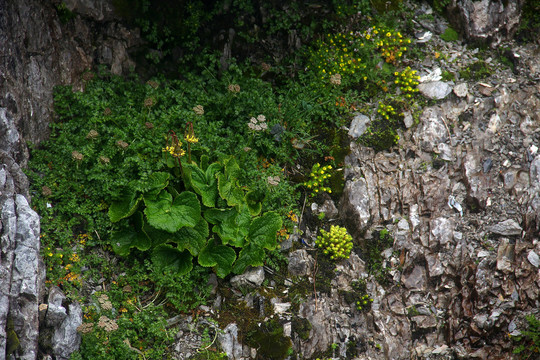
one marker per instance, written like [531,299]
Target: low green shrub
[528,343]
[449,35]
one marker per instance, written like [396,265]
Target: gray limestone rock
[424,321]
[435,90]
[56,312]
[97,10]
[487,21]
[476,180]
[251,278]
[416,279]
[532,215]
[408,119]
[508,227]
[533,258]
[432,131]
[329,209]
[435,267]
[19,243]
[505,255]
[441,233]
[228,340]
[66,339]
[300,263]
[355,203]
[461,90]
[359,125]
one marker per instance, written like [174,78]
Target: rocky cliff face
[460,197]
[38,52]
[20,278]
[486,21]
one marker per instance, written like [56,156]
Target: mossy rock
[301,327]
[12,343]
[449,35]
[476,71]
[269,340]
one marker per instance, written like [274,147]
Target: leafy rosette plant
[212,219]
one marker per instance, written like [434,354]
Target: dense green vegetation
[147,186]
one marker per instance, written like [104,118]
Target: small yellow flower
[191,139]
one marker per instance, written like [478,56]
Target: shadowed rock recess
[460,196]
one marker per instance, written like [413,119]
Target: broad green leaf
[254,201]
[228,185]
[251,255]
[229,224]
[192,239]
[231,167]
[122,241]
[125,207]
[170,215]
[212,170]
[263,230]
[242,220]
[157,236]
[169,160]
[156,182]
[229,190]
[166,257]
[204,161]
[203,183]
[220,257]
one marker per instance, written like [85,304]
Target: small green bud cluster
[407,81]
[337,242]
[364,303]
[318,178]
[386,111]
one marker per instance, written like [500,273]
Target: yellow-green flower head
[191,139]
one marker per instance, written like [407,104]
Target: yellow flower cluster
[318,178]
[337,54]
[386,111]
[175,151]
[337,242]
[190,138]
[390,42]
[291,215]
[407,81]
